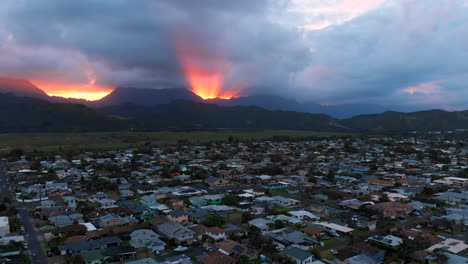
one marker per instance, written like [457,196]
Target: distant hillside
[25,114]
[274,102]
[270,102]
[189,115]
[146,97]
[154,97]
[21,87]
[432,120]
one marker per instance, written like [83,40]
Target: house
[351,204]
[303,215]
[361,259]
[452,197]
[284,201]
[300,256]
[126,193]
[451,259]
[336,229]
[451,245]
[4,225]
[71,201]
[413,234]
[394,210]
[215,233]
[368,249]
[216,182]
[48,204]
[148,200]
[147,238]
[177,232]
[313,231]
[8,239]
[177,204]
[176,259]
[217,257]
[101,243]
[364,222]
[453,181]
[199,230]
[144,261]
[97,256]
[177,216]
[212,199]
[107,203]
[197,215]
[286,236]
[319,197]
[66,219]
[110,220]
[236,250]
[388,241]
[260,223]
[231,229]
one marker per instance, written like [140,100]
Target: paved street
[31,236]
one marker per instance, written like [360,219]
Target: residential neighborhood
[337,200]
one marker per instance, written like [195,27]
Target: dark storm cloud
[140,35]
[333,51]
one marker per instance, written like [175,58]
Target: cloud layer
[388,52]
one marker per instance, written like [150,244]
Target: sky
[390,52]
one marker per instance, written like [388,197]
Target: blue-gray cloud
[342,54]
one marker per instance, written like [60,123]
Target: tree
[440,256]
[76,259]
[278,224]
[214,220]
[231,200]
[383,198]
[428,190]
[15,153]
[316,252]
[246,216]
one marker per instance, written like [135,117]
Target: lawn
[326,254]
[331,241]
[119,140]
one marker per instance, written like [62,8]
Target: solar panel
[238,248]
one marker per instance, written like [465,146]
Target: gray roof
[296,253]
[90,245]
[170,228]
[143,261]
[361,259]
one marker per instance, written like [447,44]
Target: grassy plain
[118,140]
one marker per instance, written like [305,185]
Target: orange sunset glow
[89,91]
[206,80]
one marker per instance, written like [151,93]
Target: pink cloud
[313,75]
[360,6]
[425,88]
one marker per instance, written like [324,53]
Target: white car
[180,249]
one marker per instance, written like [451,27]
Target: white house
[4,225]
[216,233]
[303,215]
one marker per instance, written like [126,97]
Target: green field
[118,140]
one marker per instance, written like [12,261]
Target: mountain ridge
[153,97]
[26,114]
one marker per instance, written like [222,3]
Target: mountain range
[154,97]
[26,108]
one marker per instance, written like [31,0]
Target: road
[31,236]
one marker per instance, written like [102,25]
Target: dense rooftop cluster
[336,200]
